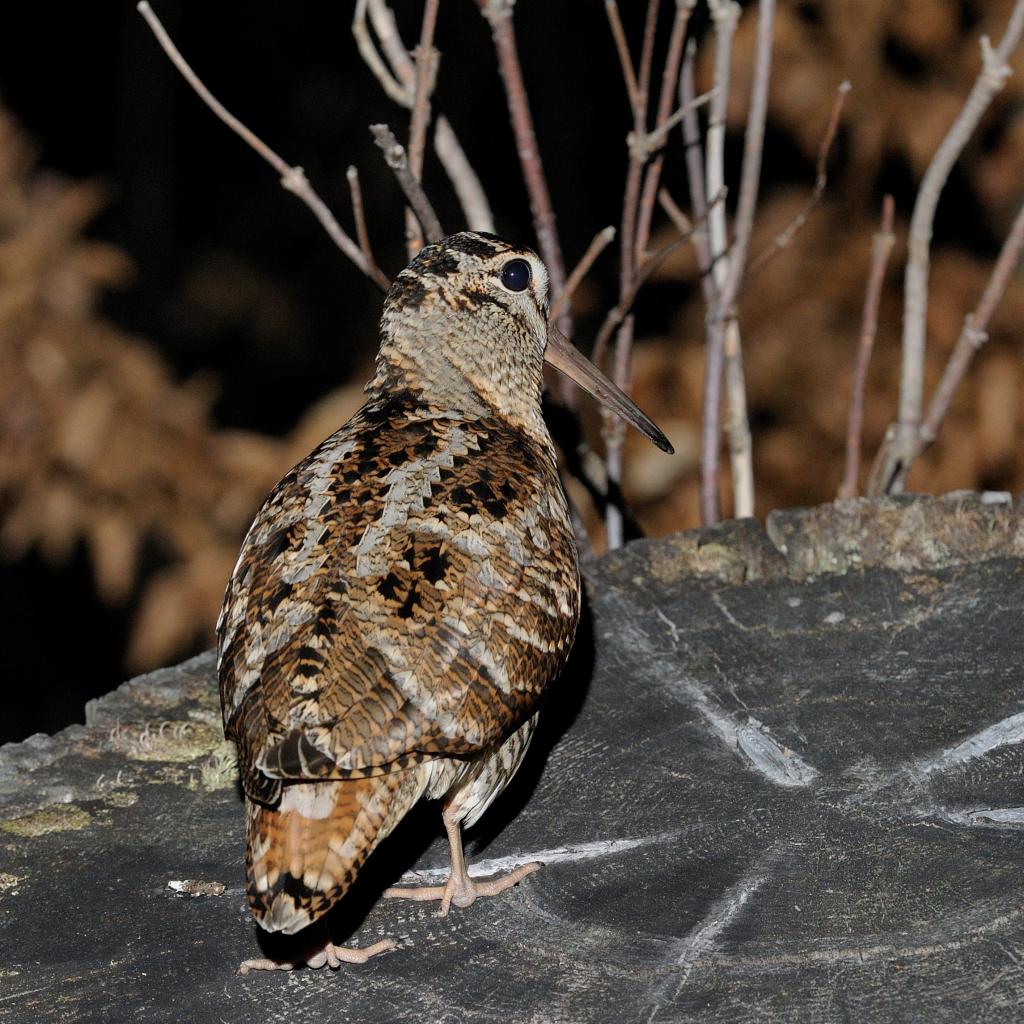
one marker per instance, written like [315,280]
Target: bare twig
[880,250]
[614,436]
[499,14]
[663,123]
[395,50]
[292,178]
[611,9]
[974,332]
[733,271]
[397,75]
[655,139]
[695,176]
[725,14]
[396,158]
[426,57]
[902,442]
[617,314]
[674,212]
[376,274]
[785,237]
[598,244]
[426,73]
[472,197]
[637,87]
[392,86]
[737,422]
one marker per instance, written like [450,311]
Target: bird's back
[406,593]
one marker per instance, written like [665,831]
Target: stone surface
[781,780]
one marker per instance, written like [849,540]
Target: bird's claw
[461,890]
[330,956]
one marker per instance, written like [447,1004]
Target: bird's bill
[567,359]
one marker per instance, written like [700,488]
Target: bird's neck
[477,382]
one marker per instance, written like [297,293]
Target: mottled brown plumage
[406,594]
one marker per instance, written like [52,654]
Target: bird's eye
[515,275]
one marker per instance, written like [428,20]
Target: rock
[780,780]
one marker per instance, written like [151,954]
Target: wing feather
[407,591]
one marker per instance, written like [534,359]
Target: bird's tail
[303,854]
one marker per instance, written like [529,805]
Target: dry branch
[399,92]
[974,332]
[598,244]
[397,159]
[902,441]
[880,250]
[786,236]
[426,73]
[637,88]
[359,215]
[725,14]
[292,178]
[737,422]
[499,15]
[617,314]
[674,212]
[470,192]
[695,176]
[656,138]
[396,73]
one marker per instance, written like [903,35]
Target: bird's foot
[329,955]
[461,889]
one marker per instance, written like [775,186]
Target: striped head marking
[465,325]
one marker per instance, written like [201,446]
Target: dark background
[233,276]
[201,216]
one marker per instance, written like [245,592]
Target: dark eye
[515,275]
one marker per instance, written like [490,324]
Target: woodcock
[407,593]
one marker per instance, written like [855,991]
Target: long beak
[567,359]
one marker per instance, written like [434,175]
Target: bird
[407,594]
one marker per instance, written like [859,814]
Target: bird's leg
[460,888]
[327,954]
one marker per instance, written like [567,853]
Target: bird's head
[465,325]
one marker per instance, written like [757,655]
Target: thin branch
[426,72]
[470,192]
[611,9]
[695,175]
[655,139]
[737,420]
[358,212]
[292,178]
[615,316]
[974,332]
[639,90]
[674,212]
[723,336]
[499,15]
[752,151]
[880,249]
[396,158]
[737,424]
[426,67]
[392,86]
[399,84]
[669,79]
[725,14]
[598,244]
[901,449]
[785,237]
[614,435]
